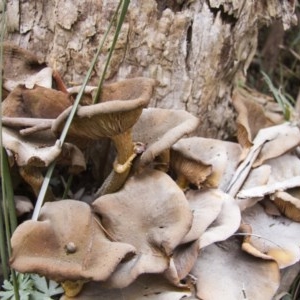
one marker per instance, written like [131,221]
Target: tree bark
[195,49]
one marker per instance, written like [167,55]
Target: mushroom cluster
[176,214]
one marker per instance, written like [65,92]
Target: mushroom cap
[277,238]
[151,213]
[66,243]
[39,150]
[149,286]
[38,102]
[160,128]
[216,216]
[120,107]
[224,271]
[189,154]
[251,118]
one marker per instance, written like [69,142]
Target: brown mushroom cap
[216,216]
[224,271]
[194,153]
[276,237]
[151,213]
[66,244]
[148,286]
[160,128]
[251,118]
[39,102]
[120,107]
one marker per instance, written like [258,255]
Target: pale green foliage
[31,287]
[283,99]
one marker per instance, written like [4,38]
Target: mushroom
[251,118]
[276,237]
[224,271]
[35,152]
[149,286]
[38,102]
[205,162]
[120,106]
[67,244]
[216,216]
[159,129]
[151,213]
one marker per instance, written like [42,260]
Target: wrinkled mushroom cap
[66,243]
[151,213]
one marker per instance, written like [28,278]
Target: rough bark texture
[196,49]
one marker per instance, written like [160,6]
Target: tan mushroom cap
[224,271]
[120,106]
[251,118]
[66,243]
[148,286]
[151,213]
[276,237]
[160,128]
[189,154]
[288,203]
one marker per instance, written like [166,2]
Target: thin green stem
[9,194]
[125,4]
[3,250]
[64,132]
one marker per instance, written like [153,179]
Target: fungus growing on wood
[159,129]
[35,152]
[238,275]
[54,247]
[276,237]
[120,107]
[218,160]
[38,102]
[151,213]
[251,118]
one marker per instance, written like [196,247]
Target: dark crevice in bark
[225,16]
[175,6]
[189,34]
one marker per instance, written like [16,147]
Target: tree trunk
[195,49]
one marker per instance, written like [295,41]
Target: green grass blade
[64,132]
[8,192]
[125,4]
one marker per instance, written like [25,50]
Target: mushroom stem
[33,176]
[72,288]
[125,154]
